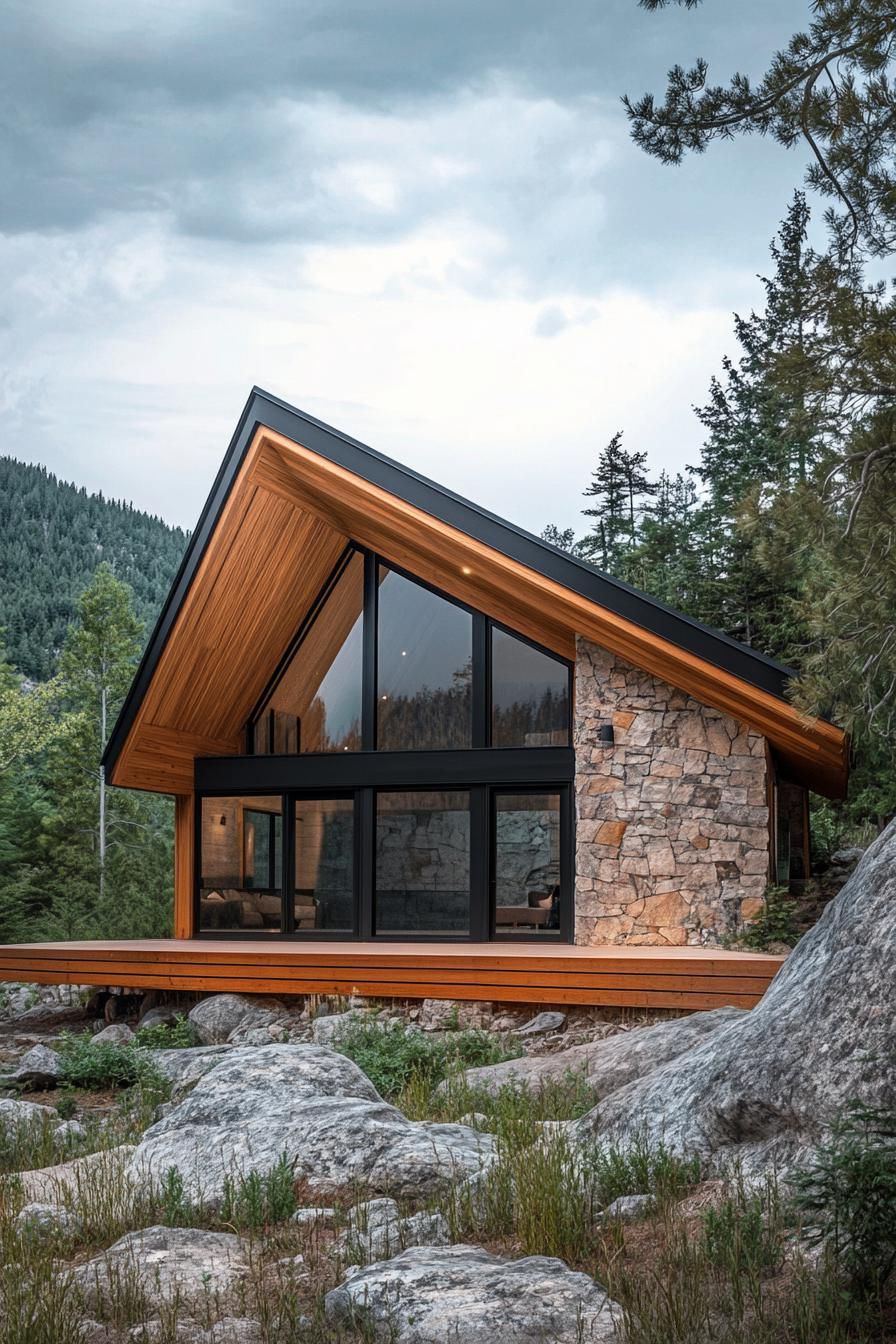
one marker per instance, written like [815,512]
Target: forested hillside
[52,538]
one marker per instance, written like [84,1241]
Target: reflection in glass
[316,704]
[530,695]
[422,863]
[424,668]
[527,862]
[325,864]
[241,863]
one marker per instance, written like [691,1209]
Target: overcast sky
[423,222]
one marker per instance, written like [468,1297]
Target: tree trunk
[764,1090]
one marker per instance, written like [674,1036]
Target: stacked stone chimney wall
[672,835]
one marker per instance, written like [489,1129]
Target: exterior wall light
[606,734]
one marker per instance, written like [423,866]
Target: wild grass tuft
[256,1200]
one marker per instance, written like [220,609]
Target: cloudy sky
[424,223]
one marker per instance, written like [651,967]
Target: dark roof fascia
[263,409]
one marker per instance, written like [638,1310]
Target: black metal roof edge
[262,408]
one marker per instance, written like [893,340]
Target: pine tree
[619,486]
[563,538]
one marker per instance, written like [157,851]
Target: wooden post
[184,846]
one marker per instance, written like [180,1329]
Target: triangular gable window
[316,703]
[384,662]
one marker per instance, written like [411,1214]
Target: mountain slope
[52,537]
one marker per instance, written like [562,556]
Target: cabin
[415,750]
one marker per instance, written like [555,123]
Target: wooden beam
[184,864]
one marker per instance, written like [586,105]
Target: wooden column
[184,846]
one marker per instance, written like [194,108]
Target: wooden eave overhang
[290,496]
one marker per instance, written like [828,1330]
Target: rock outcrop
[217,1019]
[80,1180]
[39,1067]
[766,1087]
[607,1064]
[317,1108]
[184,1264]
[428,1295]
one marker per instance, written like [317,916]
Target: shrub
[96,1065]
[176,1208]
[177,1035]
[641,1170]
[66,1105]
[395,1057]
[775,923]
[847,1198]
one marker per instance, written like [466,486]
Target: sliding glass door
[460,863]
[422,863]
[527,868]
[324,880]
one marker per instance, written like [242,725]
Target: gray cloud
[202,194]
[190,109]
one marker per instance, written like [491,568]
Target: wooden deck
[636,977]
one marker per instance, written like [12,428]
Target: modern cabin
[417,750]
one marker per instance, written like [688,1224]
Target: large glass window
[424,668]
[241,864]
[530,695]
[316,704]
[325,864]
[422,863]
[526,859]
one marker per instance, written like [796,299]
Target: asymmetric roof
[290,495]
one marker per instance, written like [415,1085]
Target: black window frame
[481,653]
[564,933]
[482,853]
[481,769]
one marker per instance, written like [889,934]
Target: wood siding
[634,977]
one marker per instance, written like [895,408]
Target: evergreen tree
[619,486]
[563,538]
[764,437]
[830,89]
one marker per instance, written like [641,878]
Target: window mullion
[368,670]
[480,681]
[365,876]
[480,866]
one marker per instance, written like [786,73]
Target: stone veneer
[672,841]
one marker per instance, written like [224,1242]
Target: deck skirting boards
[636,977]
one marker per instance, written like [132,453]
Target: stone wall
[672,842]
